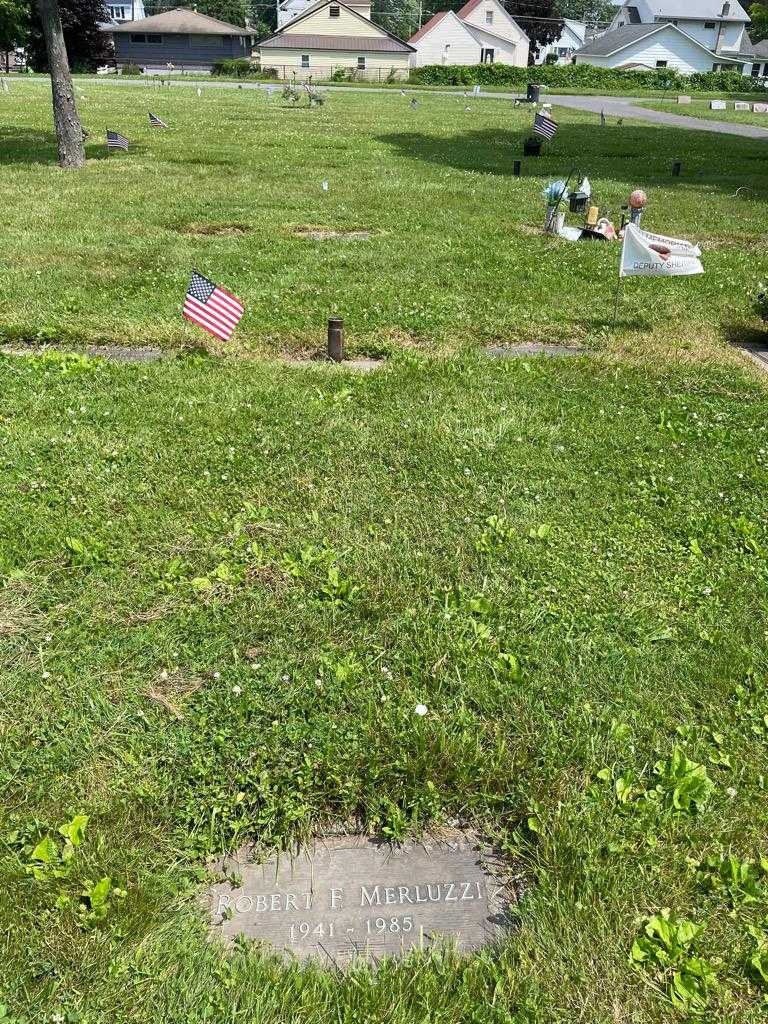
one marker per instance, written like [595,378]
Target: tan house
[330,36]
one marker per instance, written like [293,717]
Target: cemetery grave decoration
[595,227]
[544,128]
[314,98]
[637,204]
[352,897]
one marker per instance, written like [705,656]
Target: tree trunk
[69,131]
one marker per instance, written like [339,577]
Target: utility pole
[69,131]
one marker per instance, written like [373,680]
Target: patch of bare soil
[227,230]
[319,233]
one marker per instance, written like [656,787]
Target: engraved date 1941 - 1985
[371,926]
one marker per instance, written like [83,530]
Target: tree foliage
[14,24]
[593,12]
[234,12]
[87,46]
[758,30]
[541,20]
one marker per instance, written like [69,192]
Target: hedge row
[584,76]
[242,68]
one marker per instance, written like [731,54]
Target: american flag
[544,125]
[116,141]
[211,308]
[155,121]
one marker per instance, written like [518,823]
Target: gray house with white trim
[184,38]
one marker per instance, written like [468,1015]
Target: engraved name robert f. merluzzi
[363,896]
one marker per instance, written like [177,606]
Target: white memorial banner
[645,254]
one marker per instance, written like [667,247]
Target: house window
[709,24]
[117,13]
[489,17]
[154,38]
[361,63]
[210,40]
[305,60]
[486,56]
[334,11]
[138,37]
[661,63]
[715,67]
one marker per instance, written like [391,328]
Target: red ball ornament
[638,200]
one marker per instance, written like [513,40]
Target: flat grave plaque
[760,108]
[718,105]
[351,896]
[740,105]
[683,99]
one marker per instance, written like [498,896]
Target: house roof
[472,5]
[760,49]
[361,44]
[429,25]
[184,21]
[284,38]
[613,42]
[708,10]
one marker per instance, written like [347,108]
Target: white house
[685,35]
[572,38]
[125,10]
[333,36]
[481,32]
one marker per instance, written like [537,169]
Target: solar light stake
[336,339]
[516,168]
[676,169]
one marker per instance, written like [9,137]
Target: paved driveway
[621,106]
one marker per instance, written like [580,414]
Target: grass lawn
[226,582]
[456,258]
[170,534]
[700,108]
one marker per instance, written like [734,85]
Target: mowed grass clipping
[227,585]
[456,256]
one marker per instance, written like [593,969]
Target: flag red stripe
[202,317]
[216,305]
[230,300]
[201,323]
[199,310]
[214,311]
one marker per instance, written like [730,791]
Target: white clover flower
[237,690]
[420,710]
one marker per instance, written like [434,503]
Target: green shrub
[584,76]
[131,69]
[242,68]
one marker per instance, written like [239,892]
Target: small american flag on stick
[116,141]
[211,308]
[155,121]
[544,125]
